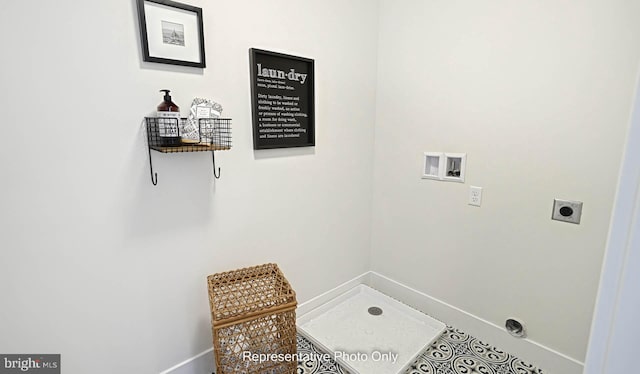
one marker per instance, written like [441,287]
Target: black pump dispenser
[167,105]
[167,97]
[168,121]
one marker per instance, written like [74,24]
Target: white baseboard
[537,354]
[202,363]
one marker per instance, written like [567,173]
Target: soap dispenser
[168,122]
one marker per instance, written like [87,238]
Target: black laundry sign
[282,97]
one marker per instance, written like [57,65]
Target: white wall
[108,270]
[538,94]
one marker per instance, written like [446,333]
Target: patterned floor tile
[455,352]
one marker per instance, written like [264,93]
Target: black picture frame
[183,38]
[289,121]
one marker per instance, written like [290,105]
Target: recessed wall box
[454,167]
[433,165]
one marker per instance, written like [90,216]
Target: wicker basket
[253,310]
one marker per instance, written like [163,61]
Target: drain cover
[375,311]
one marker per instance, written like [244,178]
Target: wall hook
[154,176]
[213,157]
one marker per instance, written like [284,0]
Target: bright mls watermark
[374,356]
[29,363]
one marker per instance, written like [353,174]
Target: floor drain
[375,311]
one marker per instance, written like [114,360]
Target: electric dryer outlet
[567,211]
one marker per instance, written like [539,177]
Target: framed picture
[282,98]
[171,33]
